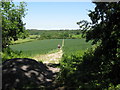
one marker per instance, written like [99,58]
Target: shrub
[87,71]
[8,53]
[68,65]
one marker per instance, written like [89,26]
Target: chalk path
[51,61]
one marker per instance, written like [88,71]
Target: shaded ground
[52,62]
[26,73]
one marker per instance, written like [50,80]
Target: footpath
[51,60]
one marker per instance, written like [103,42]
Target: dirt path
[50,58]
[52,62]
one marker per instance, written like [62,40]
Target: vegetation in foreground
[99,67]
[12,24]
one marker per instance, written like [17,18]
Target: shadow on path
[26,73]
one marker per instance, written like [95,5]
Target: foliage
[105,30]
[99,67]
[12,24]
[77,36]
[9,53]
[34,36]
[68,66]
[55,34]
[74,71]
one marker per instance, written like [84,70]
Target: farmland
[37,46]
[72,46]
[22,41]
[45,46]
[32,58]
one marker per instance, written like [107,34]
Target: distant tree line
[55,34]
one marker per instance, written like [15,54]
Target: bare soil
[50,58]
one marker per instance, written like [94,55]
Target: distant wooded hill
[56,34]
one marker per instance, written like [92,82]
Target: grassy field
[22,41]
[37,46]
[77,36]
[72,46]
[29,39]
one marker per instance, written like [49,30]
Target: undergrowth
[8,53]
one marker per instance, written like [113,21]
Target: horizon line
[52,29]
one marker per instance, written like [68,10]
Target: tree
[12,24]
[105,32]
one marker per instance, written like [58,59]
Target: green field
[44,46]
[37,46]
[71,46]
[22,41]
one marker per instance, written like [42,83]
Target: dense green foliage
[67,76]
[99,67]
[55,34]
[107,34]
[37,46]
[12,24]
[9,54]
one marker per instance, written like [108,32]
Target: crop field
[37,46]
[72,46]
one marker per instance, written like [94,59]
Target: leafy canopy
[104,30]
[12,24]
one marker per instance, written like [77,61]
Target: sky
[56,15]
